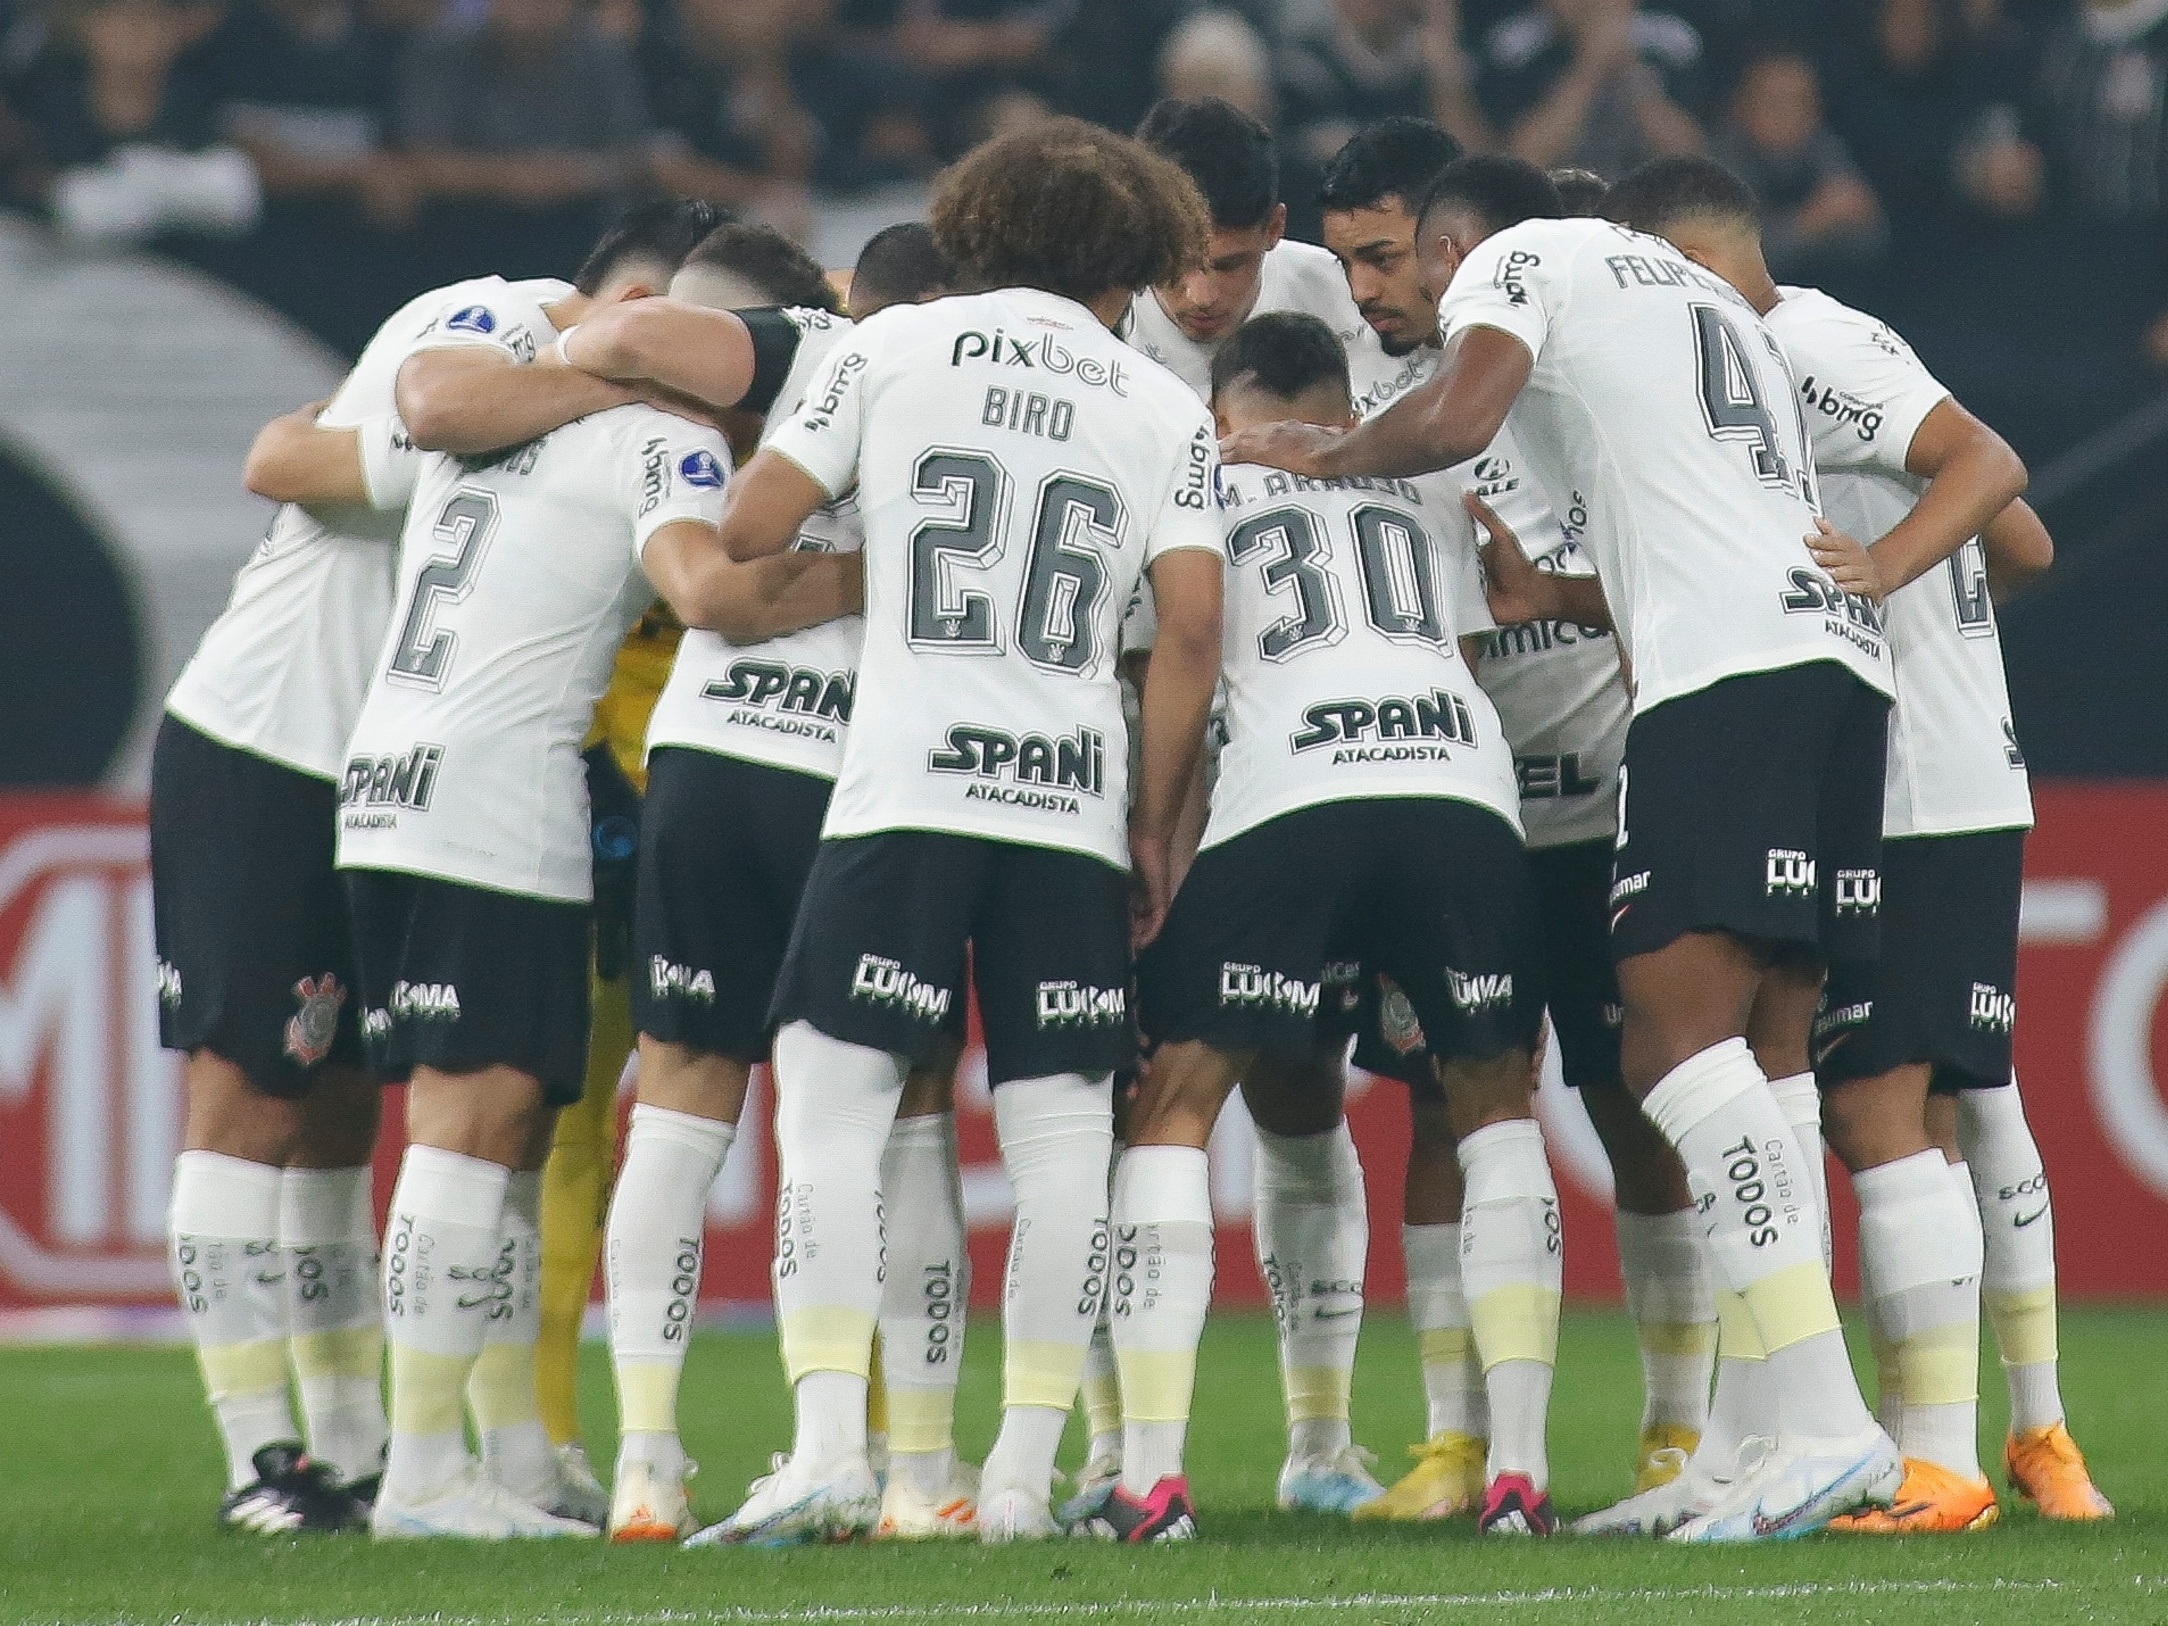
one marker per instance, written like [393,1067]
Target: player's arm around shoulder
[296,459]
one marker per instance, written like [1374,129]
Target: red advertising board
[90,1106]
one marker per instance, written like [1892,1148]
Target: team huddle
[1518,623]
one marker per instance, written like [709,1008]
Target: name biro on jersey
[407,781]
[1039,772]
[1854,617]
[1043,353]
[785,699]
[1391,728]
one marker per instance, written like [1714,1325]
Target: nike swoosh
[1332,1315]
[2023,1220]
[1767,1526]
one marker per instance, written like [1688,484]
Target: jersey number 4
[1732,404]
[422,652]
[1393,555]
[1056,623]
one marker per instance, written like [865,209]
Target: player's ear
[1220,426]
[1275,226]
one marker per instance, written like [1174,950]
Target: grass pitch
[110,1482]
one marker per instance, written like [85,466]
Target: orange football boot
[1931,1501]
[2047,1469]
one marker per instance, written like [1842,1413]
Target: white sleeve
[390,462]
[1507,284]
[1189,513]
[670,470]
[1460,563]
[1862,390]
[825,434]
[480,325]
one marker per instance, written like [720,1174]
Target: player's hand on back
[1295,447]
[1514,588]
[1849,562]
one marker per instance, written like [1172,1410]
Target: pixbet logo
[90,1106]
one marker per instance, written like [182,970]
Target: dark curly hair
[1071,208]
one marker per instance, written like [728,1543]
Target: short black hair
[1394,158]
[662,230]
[1286,354]
[1665,191]
[785,273]
[898,266]
[1498,191]
[1228,154]
[1582,191]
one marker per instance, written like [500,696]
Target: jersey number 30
[422,652]
[1064,580]
[1393,556]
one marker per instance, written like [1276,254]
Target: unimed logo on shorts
[90,1106]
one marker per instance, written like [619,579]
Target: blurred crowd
[332,155]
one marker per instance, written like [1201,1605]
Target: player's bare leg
[1447,1478]
[1685,1056]
[925,1294]
[2001,1164]
[1665,1268]
[1313,1241]
[443,1283]
[683,1123]
[334,1319]
[230,1276]
[1162,1282]
[1512,1262]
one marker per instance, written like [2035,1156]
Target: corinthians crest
[311,1029]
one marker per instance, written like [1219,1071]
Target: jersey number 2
[422,653]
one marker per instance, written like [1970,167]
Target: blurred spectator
[122,126]
[1218,54]
[530,122]
[756,99]
[1928,95]
[1818,213]
[1596,84]
[1368,59]
[1362,61]
[980,63]
[2106,77]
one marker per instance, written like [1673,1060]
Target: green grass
[109,1480]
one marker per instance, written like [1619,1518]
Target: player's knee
[339,1118]
[1180,1096]
[699,1082]
[1295,1095]
[495,1114]
[1871,1121]
[1493,1090]
[229,1115]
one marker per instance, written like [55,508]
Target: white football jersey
[1341,654]
[1659,418]
[1294,277]
[519,576]
[787,702]
[1954,763]
[282,671]
[1560,695]
[1017,468]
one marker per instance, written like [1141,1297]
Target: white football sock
[1926,1275]
[441,1248]
[516,1449]
[1889,1382]
[651,1262]
[1669,1295]
[1057,1135]
[1313,1244]
[334,1318]
[1453,1394]
[1512,1267]
[1746,1167]
[924,1293]
[1102,1391]
[2018,1219]
[835,1104]
[1801,1100]
[222,1238]
[1743,1404]
[1162,1290]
